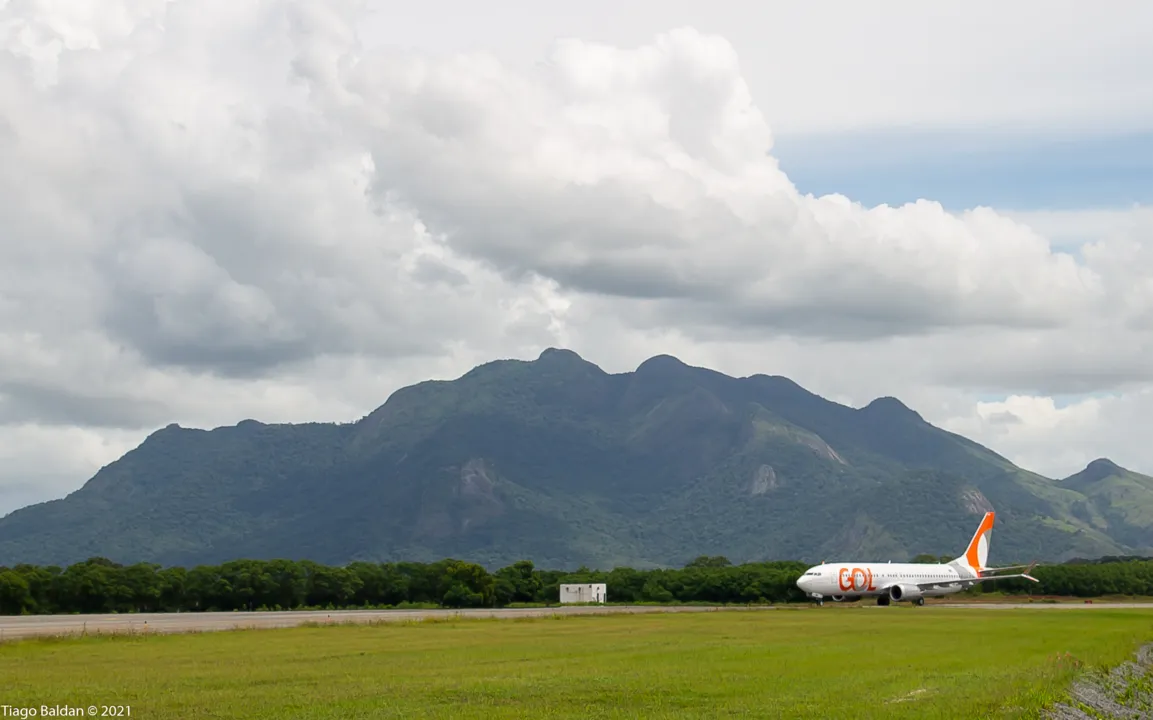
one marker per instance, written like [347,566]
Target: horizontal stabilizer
[1006,577]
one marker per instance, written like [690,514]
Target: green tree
[519,582]
[15,594]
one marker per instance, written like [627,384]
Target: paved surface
[12,627]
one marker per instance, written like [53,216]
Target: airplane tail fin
[977,554]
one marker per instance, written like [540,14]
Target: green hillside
[1118,502]
[559,462]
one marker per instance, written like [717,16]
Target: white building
[588,593]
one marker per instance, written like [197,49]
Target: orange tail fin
[976,556]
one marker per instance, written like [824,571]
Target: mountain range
[557,461]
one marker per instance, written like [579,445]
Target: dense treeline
[98,585]
[1086,579]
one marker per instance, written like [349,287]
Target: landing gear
[882,600]
[920,601]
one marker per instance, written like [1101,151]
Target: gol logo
[855,579]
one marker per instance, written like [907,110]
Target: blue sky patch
[964,169]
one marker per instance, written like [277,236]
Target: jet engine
[845,598]
[904,592]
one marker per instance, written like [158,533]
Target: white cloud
[646,171]
[1070,229]
[44,462]
[223,211]
[1059,440]
[835,65]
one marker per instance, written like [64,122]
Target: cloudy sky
[286,209]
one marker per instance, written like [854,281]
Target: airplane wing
[971,581]
[946,583]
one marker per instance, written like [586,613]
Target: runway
[25,626]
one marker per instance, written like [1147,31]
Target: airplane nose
[803,583]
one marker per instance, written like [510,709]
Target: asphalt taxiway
[25,626]
[12,627]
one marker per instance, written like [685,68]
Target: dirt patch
[907,697]
[1126,691]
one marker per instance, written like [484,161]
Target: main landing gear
[884,600]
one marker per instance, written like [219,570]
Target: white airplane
[906,581]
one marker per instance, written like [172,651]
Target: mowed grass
[836,662]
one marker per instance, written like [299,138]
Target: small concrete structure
[587,593]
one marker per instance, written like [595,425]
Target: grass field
[846,663]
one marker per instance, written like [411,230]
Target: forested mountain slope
[559,462]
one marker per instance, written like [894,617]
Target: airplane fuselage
[851,580]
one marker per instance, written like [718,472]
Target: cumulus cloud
[841,65]
[216,210]
[645,174]
[1059,439]
[42,462]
